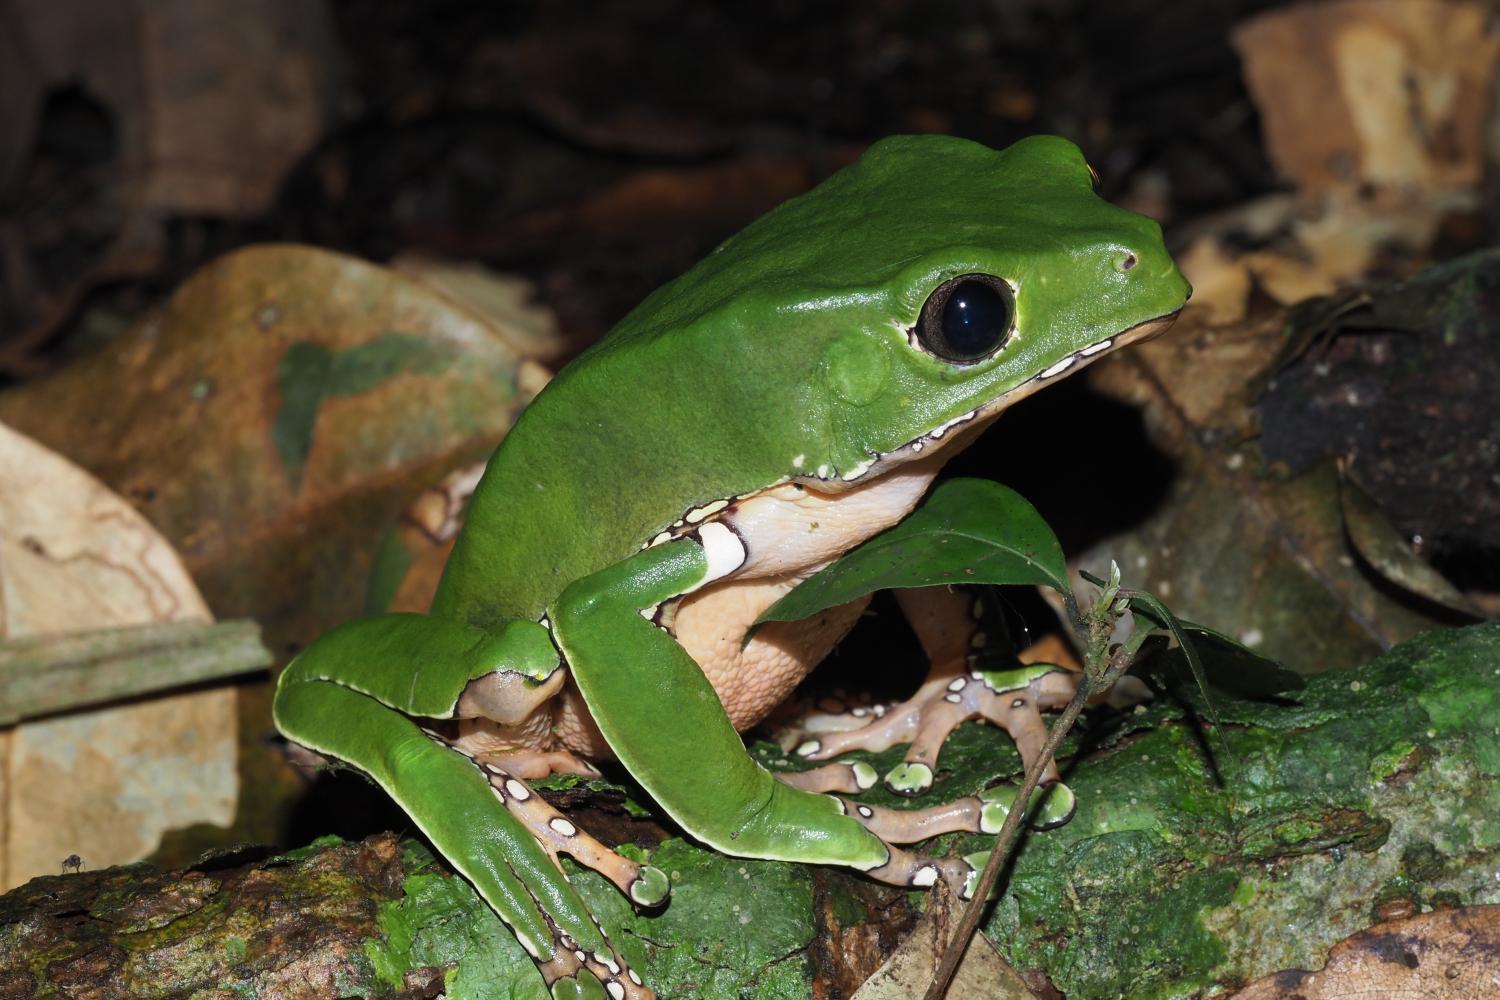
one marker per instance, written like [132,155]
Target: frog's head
[921,289]
[937,281]
[997,273]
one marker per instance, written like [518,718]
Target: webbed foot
[1011,699]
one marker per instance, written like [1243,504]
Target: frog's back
[712,388]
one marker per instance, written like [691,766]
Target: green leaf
[968,531]
[1151,608]
[1234,668]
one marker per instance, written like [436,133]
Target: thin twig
[970,920]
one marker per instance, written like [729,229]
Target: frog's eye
[966,318]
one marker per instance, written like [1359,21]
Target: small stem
[959,942]
[970,920]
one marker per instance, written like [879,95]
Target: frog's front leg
[953,692]
[661,717]
[359,693]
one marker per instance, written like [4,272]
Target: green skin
[789,342]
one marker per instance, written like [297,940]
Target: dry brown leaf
[1445,955]
[981,975]
[276,414]
[213,102]
[102,784]
[508,301]
[1391,92]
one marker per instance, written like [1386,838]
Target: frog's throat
[955,434]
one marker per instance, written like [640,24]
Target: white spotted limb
[339,698]
[660,715]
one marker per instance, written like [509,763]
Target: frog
[791,396]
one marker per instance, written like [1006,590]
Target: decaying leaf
[213,104]
[1254,550]
[1390,93]
[1383,548]
[982,974]
[1376,113]
[1444,955]
[103,784]
[507,301]
[274,417]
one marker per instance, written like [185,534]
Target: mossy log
[1198,861]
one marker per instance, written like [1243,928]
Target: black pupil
[975,319]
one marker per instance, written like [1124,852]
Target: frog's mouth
[963,428]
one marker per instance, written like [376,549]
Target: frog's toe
[851,779]
[650,888]
[976,863]
[642,884]
[1052,805]
[584,985]
[574,974]
[909,778]
[921,871]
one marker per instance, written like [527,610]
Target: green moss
[1168,880]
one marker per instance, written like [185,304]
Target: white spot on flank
[580,956]
[958,684]
[925,876]
[699,513]
[797,461]
[938,432]
[615,990]
[822,472]
[954,698]
[516,790]
[857,471]
[633,977]
[723,550]
[1093,349]
[1060,367]
[562,826]
[866,812]
[665,536]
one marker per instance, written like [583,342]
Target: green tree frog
[790,396]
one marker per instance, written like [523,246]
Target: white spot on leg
[723,550]
[615,990]
[958,684]
[516,790]
[925,877]
[1093,349]
[562,826]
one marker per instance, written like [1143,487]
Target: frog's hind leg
[644,885]
[337,704]
[954,693]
